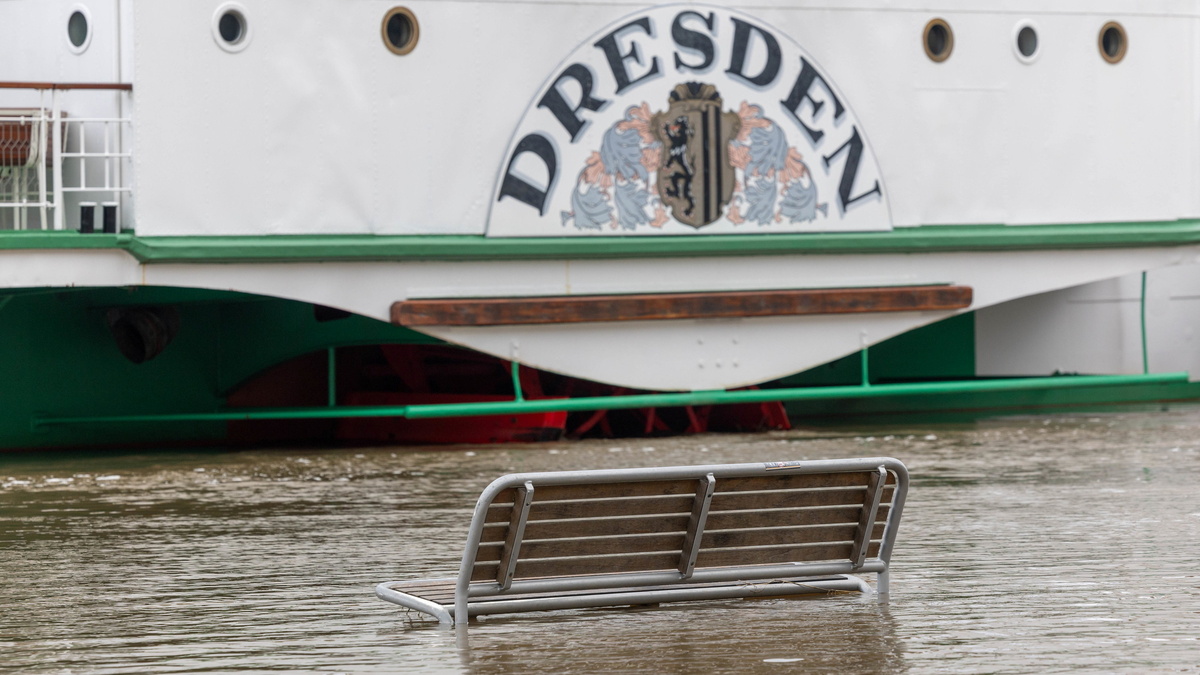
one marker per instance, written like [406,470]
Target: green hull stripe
[300,248]
[636,401]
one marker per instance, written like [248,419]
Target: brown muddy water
[1030,544]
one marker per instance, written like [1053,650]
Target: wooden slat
[605,527]
[553,567]
[795,481]
[558,548]
[647,488]
[440,592]
[501,512]
[527,569]
[784,535]
[494,532]
[498,514]
[723,520]
[724,557]
[422,585]
[782,499]
[672,306]
[505,496]
[785,517]
[553,529]
[600,508]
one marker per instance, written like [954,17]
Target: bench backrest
[676,522]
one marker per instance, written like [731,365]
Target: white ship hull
[369,157]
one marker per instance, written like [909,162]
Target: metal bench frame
[506,594]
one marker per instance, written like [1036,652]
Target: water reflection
[841,634]
[1069,541]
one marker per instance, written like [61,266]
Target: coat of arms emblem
[695,176]
[696,163]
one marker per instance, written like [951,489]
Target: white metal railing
[23,163]
[52,162]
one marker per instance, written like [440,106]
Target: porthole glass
[1026,44]
[231,29]
[938,40]
[1027,41]
[400,30]
[1113,42]
[79,30]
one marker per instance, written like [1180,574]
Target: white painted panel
[640,354]
[1092,329]
[1067,138]
[56,269]
[1096,328]
[316,128]
[34,46]
[687,355]
[1173,320]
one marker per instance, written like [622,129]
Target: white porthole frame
[247,33]
[87,40]
[1037,51]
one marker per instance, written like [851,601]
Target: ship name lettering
[572,97]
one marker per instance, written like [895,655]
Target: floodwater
[1028,544]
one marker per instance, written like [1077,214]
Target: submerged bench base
[436,596]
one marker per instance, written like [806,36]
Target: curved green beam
[697,398]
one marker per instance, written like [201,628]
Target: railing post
[56,132]
[516,380]
[41,154]
[865,360]
[332,374]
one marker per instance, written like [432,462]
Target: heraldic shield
[695,177]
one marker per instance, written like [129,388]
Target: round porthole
[400,30]
[79,30]
[938,40]
[1113,42]
[230,28]
[1025,42]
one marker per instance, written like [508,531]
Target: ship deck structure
[252,222]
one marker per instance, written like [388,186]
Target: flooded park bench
[575,539]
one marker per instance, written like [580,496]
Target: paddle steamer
[250,222]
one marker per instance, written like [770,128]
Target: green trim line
[28,240]
[365,248]
[697,398]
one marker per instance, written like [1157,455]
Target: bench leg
[883,585]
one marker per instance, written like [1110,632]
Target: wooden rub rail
[572,539]
[103,86]
[580,309]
